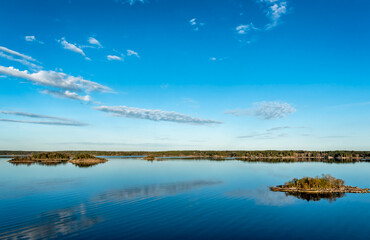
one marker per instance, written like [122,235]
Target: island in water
[317,186]
[273,156]
[56,158]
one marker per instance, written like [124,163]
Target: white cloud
[68,94]
[266,110]
[244,29]
[95,42]
[56,120]
[71,47]
[132,53]
[193,21]
[195,25]
[32,39]
[7,50]
[114,58]
[55,79]
[272,133]
[131,2]
[18,57]
[275,10]
[214,59]
[20,60]
[154,115]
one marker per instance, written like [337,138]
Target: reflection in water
[62,222]
[85,165]
[40,163]
[149,191]
[263,196]
[15,190]
[316,196]
[54,224]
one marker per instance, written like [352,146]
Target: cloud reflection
[263,196]
[65,221]
[149,191]
[54,224]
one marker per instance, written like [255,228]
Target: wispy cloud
[132,53]
[7,50]
[245,28]
[72,47]
[95,42]
[55,79]
[154,115]
[275,10]
[114,58]
[131,2]
[164,85]
[31,65]
[32,39]
[217,59]
[357,104]
[266,110]
[19,57]
[195,24]
[68,94]
[55,120]
[272,133]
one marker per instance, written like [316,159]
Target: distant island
[86,160]
[55,158]
[324,185]
[258,156]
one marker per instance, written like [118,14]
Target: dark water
[178,199]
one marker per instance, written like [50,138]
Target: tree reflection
[331,197]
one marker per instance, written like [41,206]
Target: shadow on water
[330,197]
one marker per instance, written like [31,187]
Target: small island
[47,158]
[56,158]
[149,158]
[325,184]
[86,160]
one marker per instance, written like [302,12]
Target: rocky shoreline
[346,189]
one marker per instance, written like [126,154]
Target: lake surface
[177,199]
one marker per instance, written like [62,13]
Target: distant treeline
[289,156]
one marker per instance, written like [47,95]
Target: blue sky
[173,74]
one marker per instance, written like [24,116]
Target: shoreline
[347,189]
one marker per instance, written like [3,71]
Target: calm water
[177,199]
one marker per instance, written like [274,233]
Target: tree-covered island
[325,184]
[252,156]
[55,158]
